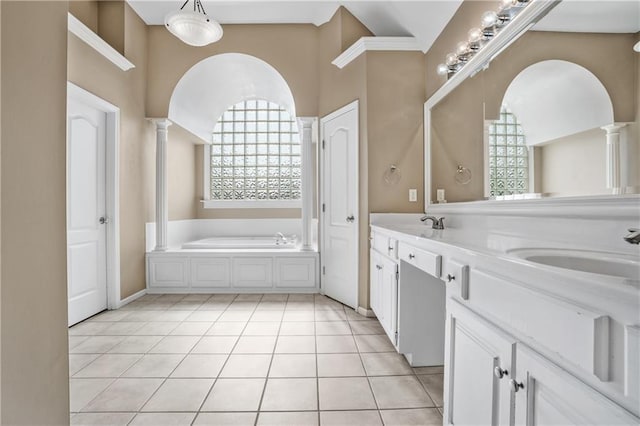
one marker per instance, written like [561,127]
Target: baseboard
[365,312]
[131,298]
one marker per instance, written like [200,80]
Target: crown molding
[85,34]
[368,44]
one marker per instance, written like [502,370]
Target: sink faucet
[633,237]
[436,223]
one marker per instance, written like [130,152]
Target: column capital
[160,122]
[613,127]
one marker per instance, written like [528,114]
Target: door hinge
[322,143]
[324,271]
[397,274]
[396,338]
[322,207]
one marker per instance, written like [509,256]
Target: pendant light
[194,28]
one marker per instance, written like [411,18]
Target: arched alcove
[214,84]
[553,99]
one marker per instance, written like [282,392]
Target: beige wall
[126,90]
[35,373]
[458,120]
[87,12]
[574,165]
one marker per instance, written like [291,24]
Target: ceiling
[612,16]
[422,19]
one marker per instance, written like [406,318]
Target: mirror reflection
[554,115]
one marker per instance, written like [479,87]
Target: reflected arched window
[255,154]
[508,156]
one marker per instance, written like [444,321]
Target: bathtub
[240,243]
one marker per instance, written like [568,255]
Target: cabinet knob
[451,278]
[515,386]
[499,372]
[390,248]
[412,256]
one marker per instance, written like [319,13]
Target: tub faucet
[633,237]
[436,223]
[280,238]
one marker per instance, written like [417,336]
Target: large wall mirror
[555,114]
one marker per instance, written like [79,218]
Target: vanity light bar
[491,23]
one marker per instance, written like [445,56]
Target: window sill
[250,204]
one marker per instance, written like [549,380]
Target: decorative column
[614,178]
[306,133]
[162,202]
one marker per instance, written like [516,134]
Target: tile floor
[244,360]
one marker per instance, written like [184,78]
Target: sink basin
[603,263]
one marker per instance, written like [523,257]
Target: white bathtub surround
[231,255]
[308,131]
[519,330]
[162,202]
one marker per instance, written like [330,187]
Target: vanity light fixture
[194,28]
[491,23]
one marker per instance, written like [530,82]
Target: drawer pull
[515,386]
[450,278]
[412,256]
[499,372]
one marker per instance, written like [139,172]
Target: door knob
[450,278]
[499,372]
[103,220]
[412,256]
[378,267]
[351,219]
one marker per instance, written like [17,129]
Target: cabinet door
[375,273]
[389,298]
[547,395]
[479,368]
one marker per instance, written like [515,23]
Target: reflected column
[614,167]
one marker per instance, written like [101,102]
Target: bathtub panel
[168,272]
[295,272]
[210,272]
[253,272]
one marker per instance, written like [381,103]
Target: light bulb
[475,35]
[462,47]
[442,69]
[451,59]
[489,19]
[506,4]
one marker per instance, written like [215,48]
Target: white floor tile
[225,419]
[239,365]
[215,345]
[163,419]
[179,395]
[296,345]
[82,391]
[297,418]
[350,418]
[290,395]
[109,365]
[154,365]
[203,366]
[293,365]
[235,395]
[350,393]
[175,345]
[124,395]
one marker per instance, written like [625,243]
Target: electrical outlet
[413,195]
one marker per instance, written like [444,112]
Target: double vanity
[525,331]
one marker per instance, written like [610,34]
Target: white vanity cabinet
[478,371]
[384,287]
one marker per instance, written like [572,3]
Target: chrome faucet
[280,238]
[633,237]
[436,223]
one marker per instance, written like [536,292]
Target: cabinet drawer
[577,334]
[427,261]
[384,244]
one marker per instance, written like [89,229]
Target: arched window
[508,156]
[255,155]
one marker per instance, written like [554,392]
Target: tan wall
[395,98]
[181,174]
[35,370]
[126,90]
[87,12]
[457,121]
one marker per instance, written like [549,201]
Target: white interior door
[86,223]
[339,252]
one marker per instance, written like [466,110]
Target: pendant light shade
[194,28]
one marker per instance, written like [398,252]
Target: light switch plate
[413,195]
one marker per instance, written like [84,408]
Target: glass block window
[255,154]
[508,156]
